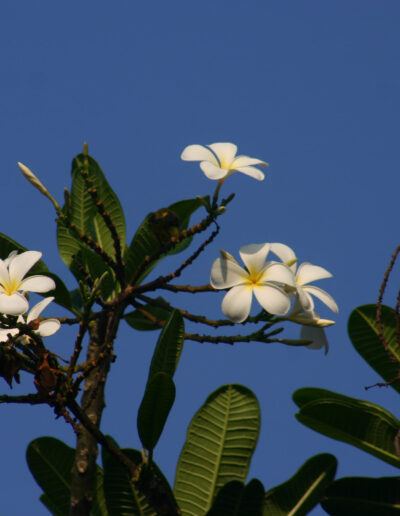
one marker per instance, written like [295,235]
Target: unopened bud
[30,176]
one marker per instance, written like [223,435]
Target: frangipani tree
[112,275]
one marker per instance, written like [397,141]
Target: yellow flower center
[11,286]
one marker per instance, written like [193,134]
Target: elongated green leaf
[122,497]
[363,332]
[141,323]
[157,402]
[359,496]
[145,243]
[169,346]
[84,212]
[236,499]
[50,462]
[61,293]
[219,445]
[298,495]
[359,423]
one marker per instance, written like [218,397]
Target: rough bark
[83,473]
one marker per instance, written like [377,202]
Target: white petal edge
[307,272]
[22,263]
[272,298]
[246,161]
[252,172]
[48,327]
[4,276]
[323,296]
[225,153]
[284,253]
[227,274]
[237,303]
[13,305]
[37,284]
[212,171]
[36,310]
[317,335]
[254,256]
[198,153]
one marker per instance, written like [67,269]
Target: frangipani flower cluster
[275,285]
[219,160]
[13,286]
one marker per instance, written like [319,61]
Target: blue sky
[311,87]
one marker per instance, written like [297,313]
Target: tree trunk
[83,473]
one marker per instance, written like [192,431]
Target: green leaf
[169,346]
[47,502]
[235,499]
[219,445]
[363,332]
[145,243]
[359,496]
[61,293]
[84,211]
[50,462]
[153,412]
[122,497]
[298,495]
[141,323]
[359,423]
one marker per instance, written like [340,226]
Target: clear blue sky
[311,87]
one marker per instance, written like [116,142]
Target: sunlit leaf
[219,445]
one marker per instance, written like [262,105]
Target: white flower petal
[22,263]
[37,284]
[284,253]
[252,172]
[35,311]
[279,272]
[237,303]
[316,335]
[254,255]
[245,161]
[307,272]
[4,276]
[212,171]
[198,153]
[48,327]
[226,274]
[10,257]
[304,300]
[10,331]
[322,296]
[272,298]
[225,152]
[13,305]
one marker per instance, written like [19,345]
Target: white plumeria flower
[305,274]
[46,327]
[219,160]
[12,283]
[264,279]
